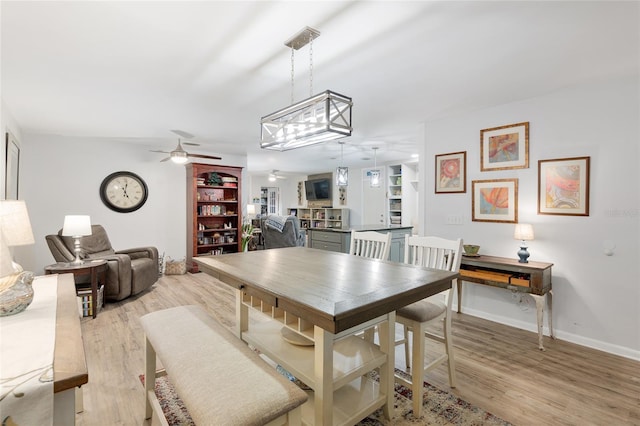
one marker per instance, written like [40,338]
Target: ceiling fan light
[179,157]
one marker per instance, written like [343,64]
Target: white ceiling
[135,70]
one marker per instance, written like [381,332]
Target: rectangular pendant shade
[342,176]
[320,118]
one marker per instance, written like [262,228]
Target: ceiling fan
[274,175]
[179,155]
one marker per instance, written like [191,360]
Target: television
[318,189]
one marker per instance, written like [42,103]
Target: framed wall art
[505,147]
[563,186]
[451,172]
[12,167]
[494,200]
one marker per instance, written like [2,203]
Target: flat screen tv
[318,189]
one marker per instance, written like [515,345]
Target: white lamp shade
[251,209]
[523,231]
[15,227]
[76,226]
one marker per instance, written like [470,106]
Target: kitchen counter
[339,240]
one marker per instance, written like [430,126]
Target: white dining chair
[373,245]
[437,253]
[370,244]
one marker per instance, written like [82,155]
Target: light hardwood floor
[499,368]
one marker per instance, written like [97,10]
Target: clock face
[123,192]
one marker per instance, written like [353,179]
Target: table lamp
[76,226]
[251,210]
[524,232]
[16,292]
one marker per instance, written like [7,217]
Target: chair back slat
[433,252]
[374,245]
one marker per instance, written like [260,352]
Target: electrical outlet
[453,220]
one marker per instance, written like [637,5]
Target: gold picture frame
[504,147]
[563,186]
[451,173]
[494,200]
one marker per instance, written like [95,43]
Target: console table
[48,336]
[533,278]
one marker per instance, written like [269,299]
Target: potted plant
[247,234]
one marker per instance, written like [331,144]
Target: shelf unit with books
[214,211]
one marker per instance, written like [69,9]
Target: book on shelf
[85,300]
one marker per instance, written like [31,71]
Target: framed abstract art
[451,172]
[494,200]
[505,147]
[563,186]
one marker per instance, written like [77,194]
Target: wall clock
[123,192]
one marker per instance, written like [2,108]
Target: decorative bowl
[470,249]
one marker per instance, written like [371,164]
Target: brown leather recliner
[130,271]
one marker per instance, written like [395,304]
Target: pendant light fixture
[375,173]
[342,173]
[319,118]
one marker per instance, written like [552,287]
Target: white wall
[7,124]
[596,298]
[62,175]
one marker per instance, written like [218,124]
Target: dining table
[307,311]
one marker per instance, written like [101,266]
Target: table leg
[323,369]
[386,334]
[459,288]
[540,312]
[549,311]
[94,291]
[242,315]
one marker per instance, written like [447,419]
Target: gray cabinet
[339,239]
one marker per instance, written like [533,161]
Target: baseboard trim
[562,335]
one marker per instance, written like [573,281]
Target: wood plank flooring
[499,368]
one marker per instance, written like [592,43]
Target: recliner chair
[130,271]
[290,236]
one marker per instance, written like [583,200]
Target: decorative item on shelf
[471,250]
[319,118]
[247,235]
[76,226]
[16,293]
[214,179]
[524,232]
[375,173]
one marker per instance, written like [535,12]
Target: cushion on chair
[96,244]
[423,310]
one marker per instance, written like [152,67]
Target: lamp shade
[76,226]
[15,228]
[251,209]
[523,231]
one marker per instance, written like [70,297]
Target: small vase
[16,293]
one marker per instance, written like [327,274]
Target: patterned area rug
[440,408]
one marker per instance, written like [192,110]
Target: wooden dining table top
[334,291]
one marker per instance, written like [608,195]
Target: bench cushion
[220,379]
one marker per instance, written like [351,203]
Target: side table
[97,269]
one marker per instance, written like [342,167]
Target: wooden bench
[220,380]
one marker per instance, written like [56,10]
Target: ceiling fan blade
[183,134]
[165,159]
[190,143]
[211,157]
[155,150]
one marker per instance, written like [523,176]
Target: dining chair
[370,244]
[437,253]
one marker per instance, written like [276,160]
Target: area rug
[440,408]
